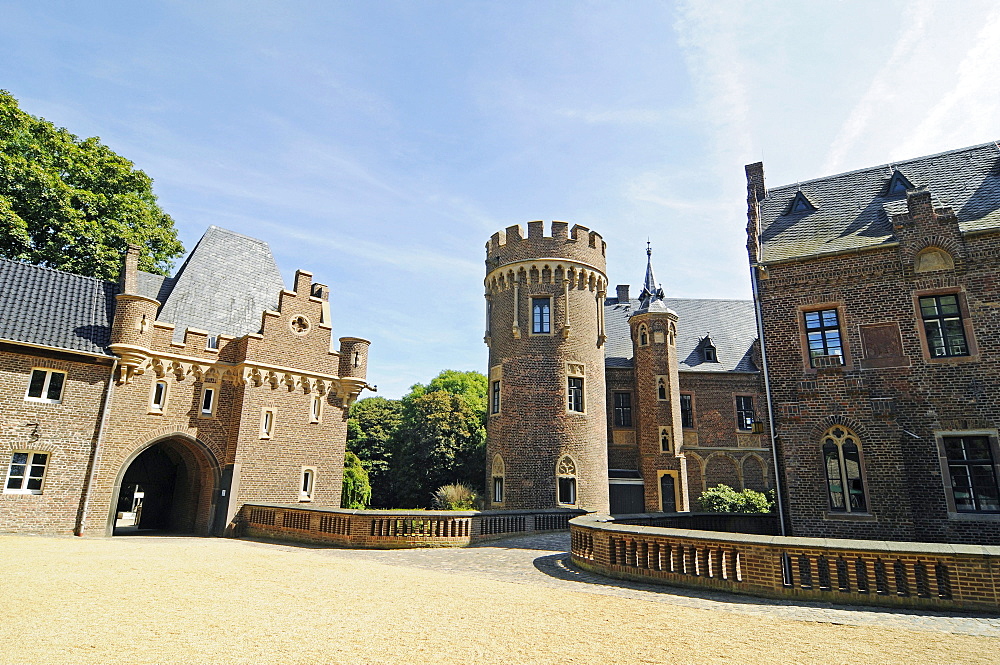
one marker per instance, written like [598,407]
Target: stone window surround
[831,514]
[159,408]
[575,370]
[566,471]
[267,418]
[963,306]
[213,401]
[845,345]
[496,390]
[316,409]
[664,380]
[939,436]
[668,433]
[677,487]
[307,483]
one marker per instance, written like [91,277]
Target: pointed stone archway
[169,485]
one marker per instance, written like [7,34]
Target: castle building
[613,404]
[167,403]
[879,296]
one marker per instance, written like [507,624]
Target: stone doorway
[167,488]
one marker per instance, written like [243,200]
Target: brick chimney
[622,293]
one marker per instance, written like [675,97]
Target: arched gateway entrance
[170,485]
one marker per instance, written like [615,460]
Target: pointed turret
[651,298]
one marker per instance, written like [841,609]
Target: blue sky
[380,144]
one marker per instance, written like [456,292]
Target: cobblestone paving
[542,560]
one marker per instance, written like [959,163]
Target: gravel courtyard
[210,600]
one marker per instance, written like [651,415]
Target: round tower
[546,432]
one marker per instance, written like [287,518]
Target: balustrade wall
[842,571]
[386,529]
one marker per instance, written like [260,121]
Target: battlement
[577,243]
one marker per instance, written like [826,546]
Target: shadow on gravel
[561,567]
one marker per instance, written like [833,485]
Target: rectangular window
[540,320]
[495,397]
[266,423]
[567,490]
[212,342]
[575,391]
[943,326]
[623,409]
[744,413]
[207,401]
[316,409]
[26,473]
[973,475]
[823,335]
[687,412]
[497,489]
[159,396]
[45,385]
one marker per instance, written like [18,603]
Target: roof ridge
[890,165]
[234,233]
[56,270]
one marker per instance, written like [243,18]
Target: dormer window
[709,353]
[212,342]
[898,184]
[800,204]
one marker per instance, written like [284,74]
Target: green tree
[724,499]
[372,428]
[357,491]
[442,437]
[74,204]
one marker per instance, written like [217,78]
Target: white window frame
[28,464]
[212,343]
[266,423]
[316,409]
[43,397]
[205,390]
[307,483]
[161,406]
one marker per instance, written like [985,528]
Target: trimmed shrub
[724,499]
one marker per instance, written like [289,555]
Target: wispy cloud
[883,88]
[623,116]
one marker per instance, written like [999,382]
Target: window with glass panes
[623,409]
[45,386]
[26,472]
[495,397]
[823,335]
[973,474]
[575,392]
[842,460]
[744,413]
[943,326]
[687,411]
[540,315]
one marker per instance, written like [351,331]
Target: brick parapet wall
[897,574]
[391,529]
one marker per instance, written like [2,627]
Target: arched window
[661,388]
[842,460]
[643,336]
[498,476]
[566,481]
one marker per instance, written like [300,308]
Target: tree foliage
[73,203]
[724,499]
[357,491]
[372,428]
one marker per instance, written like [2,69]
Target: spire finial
[649,250]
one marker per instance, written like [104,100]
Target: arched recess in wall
[695,478]
[754,474]
[566,481]
[721,469]
[933,258]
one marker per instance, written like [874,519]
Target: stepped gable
[225,283]
[55,309]
[731,323]
[852,209]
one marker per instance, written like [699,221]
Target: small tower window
[643,336]
[540,315]
[662,393]
[267,423]
[207,401]
[308,481]
[665,440]
[159,396]
[357,358]
[498,477]
[566,478]
[316,409]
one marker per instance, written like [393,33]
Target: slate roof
[852,209]
[731,323]
[56,309]
[225,283]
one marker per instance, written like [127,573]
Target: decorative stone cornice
[136,360]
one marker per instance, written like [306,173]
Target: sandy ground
[191,600]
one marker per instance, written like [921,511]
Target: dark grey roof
[852,209]
[56,309]
[224,285]
[730,322]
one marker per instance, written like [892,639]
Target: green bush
[724,499]
[357,490]
[455,497]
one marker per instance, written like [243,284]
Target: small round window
[300,325]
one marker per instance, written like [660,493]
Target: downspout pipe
[96,453]
[754,269]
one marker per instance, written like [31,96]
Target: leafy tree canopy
[357,491]
[74,204]
[372,428]
[470,386]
